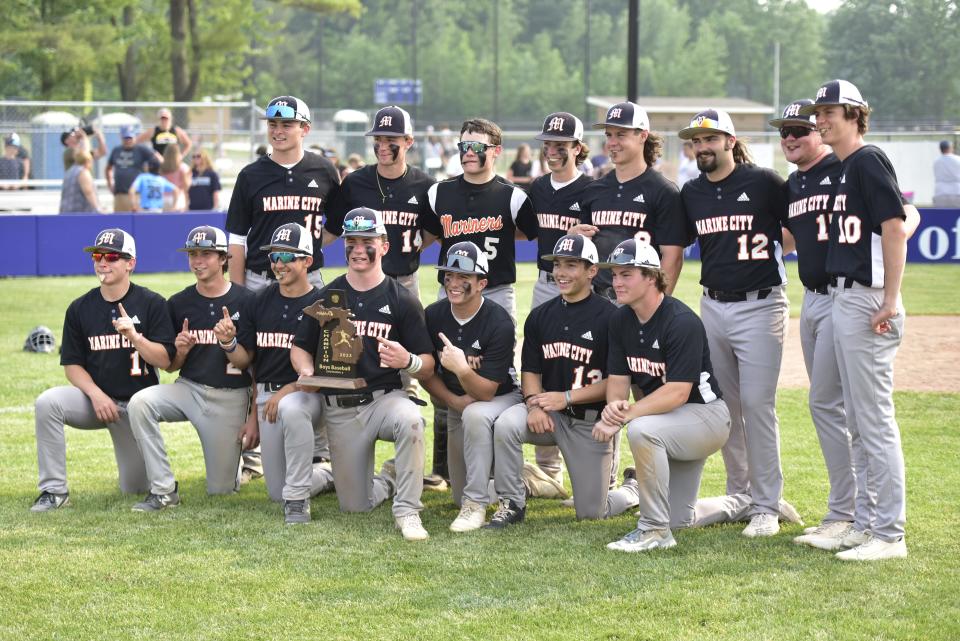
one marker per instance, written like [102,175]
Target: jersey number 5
[759,249]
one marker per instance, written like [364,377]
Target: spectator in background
[166,133]
[9,165]
[688,164]
[23,157]
[204,190]
[946,178]
[126,162]
[148,189]
[79,138]
[177,172]
[521,172]
[78,193]
[261,151]
[354,162]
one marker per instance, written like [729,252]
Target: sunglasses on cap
[110,257]
[465,263]
[359,224]
[284,257]
[281,111]
[796,131]
[475,147]
[201,244]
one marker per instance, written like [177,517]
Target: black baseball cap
[628,115]
[391,121]
[291,237]
[363,222]
[287,108]
[205,237]
[630,253]
[836,92]
[113,240]
[574,246]
[465,258]
[791,115]
[561,126]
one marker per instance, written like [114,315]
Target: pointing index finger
[123,312]
[186,324]
[446,341]
[226,313]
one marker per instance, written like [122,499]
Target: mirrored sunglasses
[110,257]
[360,224]
[284,257]
[281,111]
[202,244]
[465,263]
[475,147]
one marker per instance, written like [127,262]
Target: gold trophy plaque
[339,346]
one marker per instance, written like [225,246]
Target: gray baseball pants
[410,282]
[746,349]
[288,446]
[544,289]
[216,413]
[866,371]
[588,461]
[353,433]
[67,405]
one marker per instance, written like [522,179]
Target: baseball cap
[944,145]
[836,92]
[287,108]
[561,126]
[391,121]
[205,237]
[291,237]
[466,258]
[625,114]
[113,240]
[363,222]
[630,253]
[128,131]
[574,246]
[13,140]
[709,120]
[791,115]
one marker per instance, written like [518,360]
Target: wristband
[568,398]
[229,347]
[415,364]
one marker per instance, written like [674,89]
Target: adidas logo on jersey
[413,201]
[826,181]
[135,319]
[476,344]
[313,183]
[236,316]
[656,344]
[587,335]
[639,199]
[575,207]
[744,198]
[384,310]
[843,179]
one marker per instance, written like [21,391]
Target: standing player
[115,337]
[473,344]
[736,210]
[865,259]
[659,345]
[564,376]
[210,393]
[390,321]
[634,200]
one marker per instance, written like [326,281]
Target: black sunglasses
[796,131]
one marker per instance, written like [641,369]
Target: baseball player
[115,337]
[288,418]
[210,393]
[634,200]
[390,320]
[564,376]
[865,258]
[473,344]
[289,186]
[659,344]
[736,210]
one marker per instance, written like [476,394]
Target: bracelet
[528,397]
[568,398]
[415,364]
[229,347]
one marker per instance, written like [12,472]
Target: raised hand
[124,325]
[392,354]
[225,330]
[185,341]
[452,357]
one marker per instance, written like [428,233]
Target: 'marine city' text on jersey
[716,224]
[625,218]
[292,203]
[561,349]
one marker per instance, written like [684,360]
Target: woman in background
[78,193]
[204,190]
[176,171]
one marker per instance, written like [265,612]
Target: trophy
[338,348]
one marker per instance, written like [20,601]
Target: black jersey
[487,215]
[646,208]
[267,328]
[738,221]
[557,210]
[267,195]
[810,203]
[398,200]
[90,340]
[206,362]
[566,343]
[671,347]
[387,311]
[868,194]
[488,340]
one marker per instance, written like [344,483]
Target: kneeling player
[658,344]
[473,341]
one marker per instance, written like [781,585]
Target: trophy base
[315,383]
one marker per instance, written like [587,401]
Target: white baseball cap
[630,253]
[713,120]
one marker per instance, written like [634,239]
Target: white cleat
[875,550]
[762,525]
[642,541]
[789,513]
[826,536]
[471,517]
[411,528]
[854,538]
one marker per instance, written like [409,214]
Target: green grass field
[227,568]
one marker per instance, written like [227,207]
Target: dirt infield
[927,360]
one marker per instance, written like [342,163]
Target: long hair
[205,162]
[741,155]
[171,159]
[584,153]
[652,148]
[860,114]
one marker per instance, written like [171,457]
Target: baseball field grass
[226,568]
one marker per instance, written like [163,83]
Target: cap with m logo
[709,121]
[291,237]
[575,246]
[628,115]
[205,237]
[114,240]
[792,116]
[287,108]
[561,126]
[836,92]
[391,121]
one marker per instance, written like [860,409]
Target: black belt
[582,413]
[845,282]
[354,400]
[822,289]
[272,387]
[722,296]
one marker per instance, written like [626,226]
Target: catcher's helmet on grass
[41,340]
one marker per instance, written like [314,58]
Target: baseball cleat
[629,474]
[761,525]
[854,538]
[540,484]
[567,502]
[247,475]
[296,511]
[827,536]
[471,517]
[48,501]
[643,540]
[789,513]
[434,482]
[411,528]
[507,513]
[322,481]
[156,502]
[875,550]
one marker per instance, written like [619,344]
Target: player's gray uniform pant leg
[216,413]
[470,439]
[67,405]
[544,289]
[410,282]
[826,404]
[670,451]
[866,369]
[353,433]
[746,349]
[287,446]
